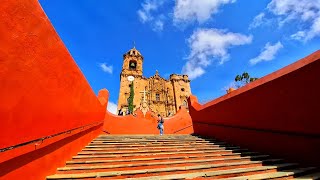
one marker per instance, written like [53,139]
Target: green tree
[130,99]
[243,79]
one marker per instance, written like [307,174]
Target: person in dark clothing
[160,124]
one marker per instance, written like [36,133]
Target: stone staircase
[174,157]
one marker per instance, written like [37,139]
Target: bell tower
[132,63]
[132,66]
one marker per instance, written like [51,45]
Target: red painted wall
[43,91]
[180,123]
[38,160]
[277,114]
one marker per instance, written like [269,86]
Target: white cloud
[208,44]
[158,25]
[200,10]
[295,9]
[314,30]
[258,21]
[143,16]
[306,13]
[112,107]
[106,68]
[300,35]
[147,14]
[268,53]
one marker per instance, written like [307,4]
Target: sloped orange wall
[43,91]
[277,114]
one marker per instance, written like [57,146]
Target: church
[160,95]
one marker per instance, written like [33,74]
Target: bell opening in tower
[133,65]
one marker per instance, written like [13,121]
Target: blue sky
[210,40]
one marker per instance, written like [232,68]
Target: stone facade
[160,95]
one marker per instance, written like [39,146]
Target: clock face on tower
[180,83]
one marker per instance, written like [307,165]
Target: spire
[134,44]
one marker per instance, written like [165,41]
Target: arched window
[133,65]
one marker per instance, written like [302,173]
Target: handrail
[182,129]
[46,137]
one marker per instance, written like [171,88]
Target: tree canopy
[244,79]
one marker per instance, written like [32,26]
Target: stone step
[170,162]
[282,174]
[172,169]
[157,136]
[156,154]
[169,156]
[217,174]
[120,136]
[173,158]
[110,151]
[177,151]
[206,165]
[154,144]
[148,140]
[154,139]
[157,145]
[157,142]
[148,147]
[315,175]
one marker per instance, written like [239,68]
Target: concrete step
[172,158]
[155,143]
[162,156]
[154,136]
[314,175]
[211,174]
[275,175]
[206,165]
[148,140]
[150,147]
[171,169]
[168,162]
[127,154]
[169,156]
[110,151]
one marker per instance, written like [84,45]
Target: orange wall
[180,123]
[43,91]
[38,160]
[277,114]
